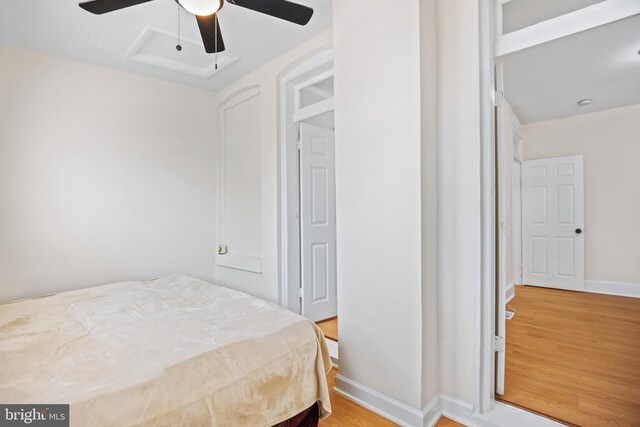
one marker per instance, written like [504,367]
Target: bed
[175,351]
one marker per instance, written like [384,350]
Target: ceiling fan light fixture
[201,7]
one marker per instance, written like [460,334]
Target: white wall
[162,195]
[104,176]
[267,80]
[458,193]
[429,194]
[610,143]
[406,164]
[378,176]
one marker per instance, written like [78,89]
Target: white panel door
[553,222]
[318,222]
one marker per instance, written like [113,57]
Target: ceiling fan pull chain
[216,40]
[178,46]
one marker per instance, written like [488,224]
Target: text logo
[34,415]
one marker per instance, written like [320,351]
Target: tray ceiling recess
[157,47]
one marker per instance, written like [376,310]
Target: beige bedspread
[168,352]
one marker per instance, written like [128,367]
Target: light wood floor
[330,328]
[575,356]
[446,422]
[348,413]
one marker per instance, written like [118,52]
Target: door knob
[578,230]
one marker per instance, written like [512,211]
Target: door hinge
[299,145]
[498,98]
[498,344]
[300,293]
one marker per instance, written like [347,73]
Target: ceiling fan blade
[98,7]
[208,32]
[292,12]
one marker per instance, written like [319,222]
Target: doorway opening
[567,264]
[309,276]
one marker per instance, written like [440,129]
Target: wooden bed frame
[307,418]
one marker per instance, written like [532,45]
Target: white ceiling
[60,27]
[546,81]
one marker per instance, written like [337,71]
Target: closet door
[553,222]
[318,222]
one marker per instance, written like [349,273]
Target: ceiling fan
[206,11]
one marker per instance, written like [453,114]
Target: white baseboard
[509,292]
[459,411]
[432,412]
[332,346]
[622,289]
[381,404]
[501,415]
[441,405]
[504,415]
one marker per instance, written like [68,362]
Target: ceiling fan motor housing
[201,7]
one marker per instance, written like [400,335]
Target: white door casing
[318,222]
[501,238]
[291,84]
[516,190]
[516,222]
[553,222]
